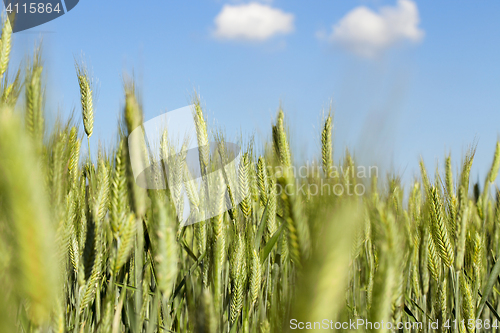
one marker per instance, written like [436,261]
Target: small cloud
[252,22]
[367,34]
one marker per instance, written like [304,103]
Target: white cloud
[367,33]
[253,21]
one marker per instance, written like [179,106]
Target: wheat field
[83,248]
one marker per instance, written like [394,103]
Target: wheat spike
[434,260]
[468,308]
[255,276]
[5,46]
[125,239]
[439,229]
[262,181]
[449,177]
[219,243]
[495,165]
[74,146]
[34,99]
[190,184]
[66,231]
[74,252]
[86,96]
[297,225]
[238,276]
[202,136]
[88,291]
[272,226]
[477,260]
[118,201]
[467,164]
[244,186]
[133,119]
[167,252]
[462,232]
[12,90]
[280,140]
[425,178]
[443,297]
[326,146]
[101,196]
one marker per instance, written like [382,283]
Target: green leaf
[270,244]
[262,226]
[488,287]
[188,250]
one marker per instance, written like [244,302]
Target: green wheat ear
[86,93]
[244,186]
[166,253]
[262,181]
[439,229]
[238,274]
[133,119]
[201,135]
[74,146]
[433,260]
[326,146]
[449,177]
[126,236]
[466,166]
[280,140]
[468,308]
[219,242]
[133,111]
[34,98]
[298,234]
[425,178]
[118,206]
[272,226]
[101,197]
[11,91]
[492,174]
[5,47]
[462,216]
[255,275]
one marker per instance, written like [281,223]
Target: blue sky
[422,81]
